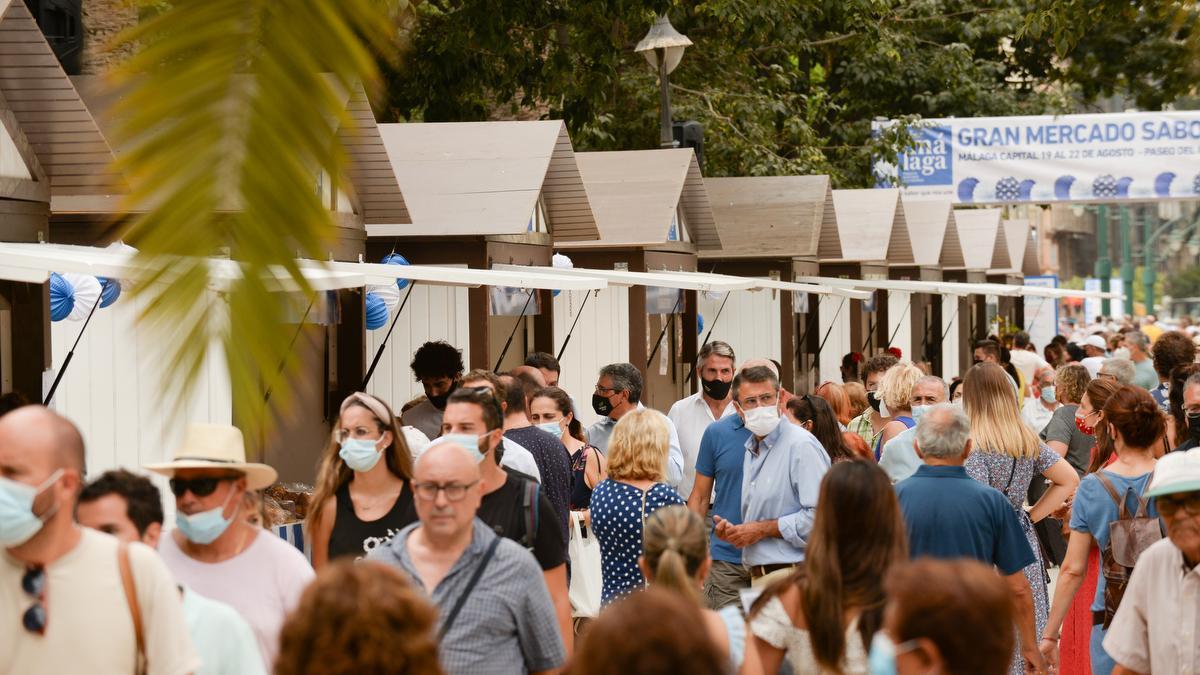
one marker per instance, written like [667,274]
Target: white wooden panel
[834,326]
[432,313]
[950,328]
[600,338]
[749,323]
[900,317]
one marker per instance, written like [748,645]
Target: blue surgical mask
[551,428]
[206,526]
[882,659]
[918,410]
[360,454]
[18,522]
[1048,393]
[469,441]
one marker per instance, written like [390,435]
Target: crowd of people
[894,522]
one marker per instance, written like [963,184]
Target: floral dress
[1012,477]
[619,511]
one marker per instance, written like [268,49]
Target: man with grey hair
[692,415]
[1191,412]
[1138,345]
[493,606]
[619,392]
[950,515]
[1121,370]
[899,459]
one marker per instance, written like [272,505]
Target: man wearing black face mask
[619,392]
[438,366]
[1191,412]
[693,414]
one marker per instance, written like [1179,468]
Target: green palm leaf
[227,120]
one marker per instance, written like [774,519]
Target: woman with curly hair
[359,618]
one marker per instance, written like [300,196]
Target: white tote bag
[586,576]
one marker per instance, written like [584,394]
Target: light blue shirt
[599,433]
[781,480]
[222,638]
[900,458]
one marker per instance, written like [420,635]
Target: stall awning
[933,288]
[512,276]
[780,285]
[696,281]
[33,263]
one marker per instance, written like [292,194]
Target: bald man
[62,599]
[506,616]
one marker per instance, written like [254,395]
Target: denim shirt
[781,479]
[599,433]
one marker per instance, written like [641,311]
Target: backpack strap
[1112,492]
[135,610]
[532,490]
[1143,501]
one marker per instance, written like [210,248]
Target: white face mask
[763,420]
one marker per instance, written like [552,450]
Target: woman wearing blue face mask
[944,616]
[550,409]
[363,496]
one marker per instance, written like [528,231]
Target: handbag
[586,576]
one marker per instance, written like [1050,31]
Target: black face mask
[601,405]
[1193,422]
[439,402]
[873,400]
[716,389]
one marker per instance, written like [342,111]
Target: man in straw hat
[212,550]
[1156,627]
[64,605]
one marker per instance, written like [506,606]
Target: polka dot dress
[618,512]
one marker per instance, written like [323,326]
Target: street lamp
[663,48]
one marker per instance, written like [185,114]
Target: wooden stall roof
[1015,231]
[1031,265]
[865,225]
[484,178]
[767,216]
[932,231]
[634,194]
[70,147]
[983,244]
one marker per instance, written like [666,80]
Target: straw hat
[1176,472]
[216,446]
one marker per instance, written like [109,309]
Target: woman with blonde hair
[1006,454]
[621,503]
[895,390]
[360,501]
[676,558]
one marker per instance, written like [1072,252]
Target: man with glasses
[494,612]
[513,505]
[781,479]
[900,458]
[619,392]
[1157,626]
[64,606]
[1191,413]
[212,550]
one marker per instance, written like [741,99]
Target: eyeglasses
[607,391]
[201,487]
[342,435]
[752,402]
[455,492]
[34,584]
[1168,505]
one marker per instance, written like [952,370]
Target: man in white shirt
[692,415]
[1157,627]
[619,392]
[213,551]
[1040,407]
[1095,351]
[63,601]
[1024,358]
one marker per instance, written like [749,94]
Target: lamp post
[1103,257]
[663,48]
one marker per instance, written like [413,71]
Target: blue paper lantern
[62,297]
[699,324]
[377,313]
[397,259]
[110,290]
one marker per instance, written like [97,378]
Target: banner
[1041,159]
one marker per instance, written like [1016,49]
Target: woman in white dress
[822,618]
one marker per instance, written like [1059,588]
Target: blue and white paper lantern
[110,290]
[62,297]
[561,262]
[377,312]
[397,259]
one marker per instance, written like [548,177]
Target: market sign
[1040,159]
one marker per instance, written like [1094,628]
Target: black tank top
[354,537]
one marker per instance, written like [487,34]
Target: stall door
[749,322]
[601,337]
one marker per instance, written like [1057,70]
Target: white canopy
[691,281]
[512,276]
[780,285]
[960,289]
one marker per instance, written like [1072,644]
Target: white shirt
[691,416]
[1157,626]
[599,433]
[516,456]
[1027,362]
[1093,364]
[1035,414]
[89,627]
[222,637]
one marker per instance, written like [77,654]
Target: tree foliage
[781,86]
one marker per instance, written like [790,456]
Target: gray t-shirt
[508,624]
[1079,445]
[1144,375]
[425,417]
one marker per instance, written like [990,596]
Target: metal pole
[665,138]
[1149,273]
[1126,261]
[1103,258]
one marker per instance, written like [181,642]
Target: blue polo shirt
[722,449]
[950,515]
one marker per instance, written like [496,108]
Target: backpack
[1128,536]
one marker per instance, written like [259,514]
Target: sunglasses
[201,487]
[34,585]
[1168,505]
